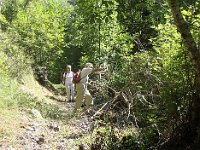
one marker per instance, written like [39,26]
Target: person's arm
[97,69]
[63,79]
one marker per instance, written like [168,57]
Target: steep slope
[42,120]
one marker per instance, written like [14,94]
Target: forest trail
[33,131]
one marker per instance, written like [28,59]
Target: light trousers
[70,91]
[82,93]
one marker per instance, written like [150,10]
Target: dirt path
[37,132]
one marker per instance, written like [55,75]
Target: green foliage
[150,136]
[97,11]
[71,55]
[4,68]
[177,71]
[170,66]
[9,9]
[111,138]
[13,65]
[161,86]
[193,16]
[3,22]
[11,96]
[137,17]
[40,30]
[156,85]
[47,110]
[51,111]
[60,88]
[7,97]
[102,39]
[13,58]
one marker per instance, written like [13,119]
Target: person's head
[68,68]
[89,65]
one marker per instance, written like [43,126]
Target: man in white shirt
[69,86]
[81,87]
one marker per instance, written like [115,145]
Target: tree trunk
[194,52]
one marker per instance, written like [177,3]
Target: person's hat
[89,65]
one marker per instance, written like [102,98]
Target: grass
[10,126]
[17,101]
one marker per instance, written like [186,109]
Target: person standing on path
[69,86]
[81,87]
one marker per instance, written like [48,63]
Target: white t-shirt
[84,74]
[68,77]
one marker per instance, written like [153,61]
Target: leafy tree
[190,128]
[138,17]
[99,33]
[9,9]
[40,30]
